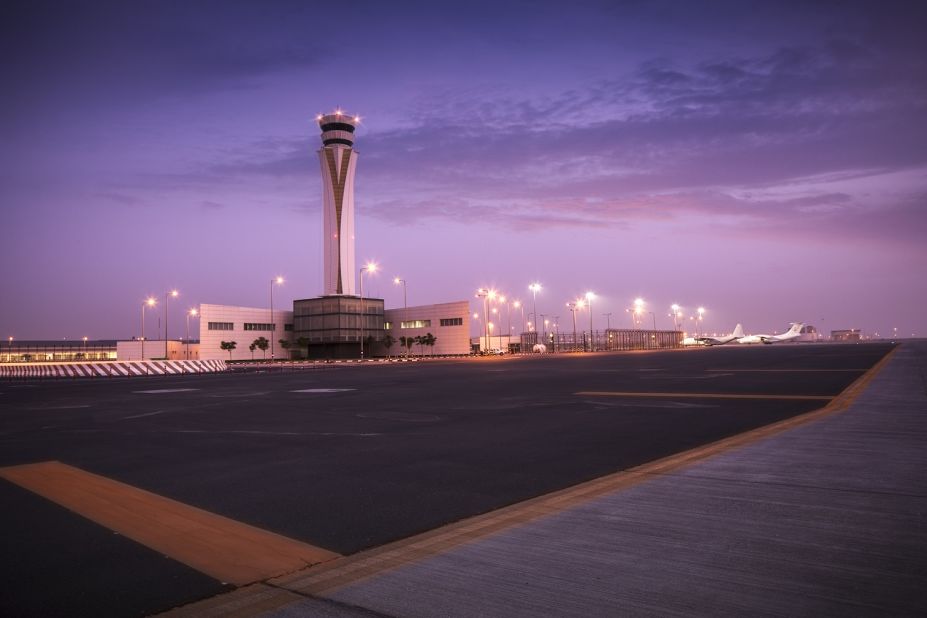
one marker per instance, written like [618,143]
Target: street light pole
[167,295]
[279,281]
[535,288]
[484,294]
[149,302]
[193,312]
[371,267]
[589,297]
[572,307]
[698,324]
[397,281]
[608,321]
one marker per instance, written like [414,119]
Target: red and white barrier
[104,369]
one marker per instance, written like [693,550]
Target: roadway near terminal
[107,481]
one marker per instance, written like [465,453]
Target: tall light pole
[589,297]
[701,315]
[573,307]
[675,308]
[397,281]
[608,321]
[10,339]
[484,294]
[275,281]
[149,302]
[192,313]
[517,304]
[543,324]
[508,317]
[85,348]
[167,295]
[654,319]
[370,267]
[535,288]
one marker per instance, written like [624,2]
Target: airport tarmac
[345,458]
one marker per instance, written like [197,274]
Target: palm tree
[229,346]
[262,344]
[303,342]
[420,340]
[252,347]
[430,342]
[407,343]
[285,345]
[388,342]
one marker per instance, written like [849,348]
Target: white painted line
[323,390]
[167,390]
[125,418]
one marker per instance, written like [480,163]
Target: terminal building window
[387,325]
[451,321]
[415,324]
[287,327]
[256,326]
[221,326]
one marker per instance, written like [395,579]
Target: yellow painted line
[705,395]
[325,578]
[789,370]
[223,548]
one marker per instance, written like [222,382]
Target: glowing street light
[589,297]
[676,315]
[573,307]
[397,281]
[10,339]
[369,267]
[192,314]
[278,280]
[535,288]
[149,302]
[167,296]
[484,294]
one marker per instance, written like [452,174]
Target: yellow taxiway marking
[323,579]
[790,370]
[705,395]
[223,548]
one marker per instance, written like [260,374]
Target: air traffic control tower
[334,324]
[338,159]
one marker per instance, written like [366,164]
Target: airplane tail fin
[796,328]
[738,331]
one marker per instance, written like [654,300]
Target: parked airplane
[737,334]
[790,334]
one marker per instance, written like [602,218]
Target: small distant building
[154,348]
[28,351]
[852,334]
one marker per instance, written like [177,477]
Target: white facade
[448,322]
[242,325]
[338,161]
[154,348]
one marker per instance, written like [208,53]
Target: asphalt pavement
[350,457]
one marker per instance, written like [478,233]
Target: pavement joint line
[225,549]
[705,395]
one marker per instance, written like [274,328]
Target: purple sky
[765,160]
